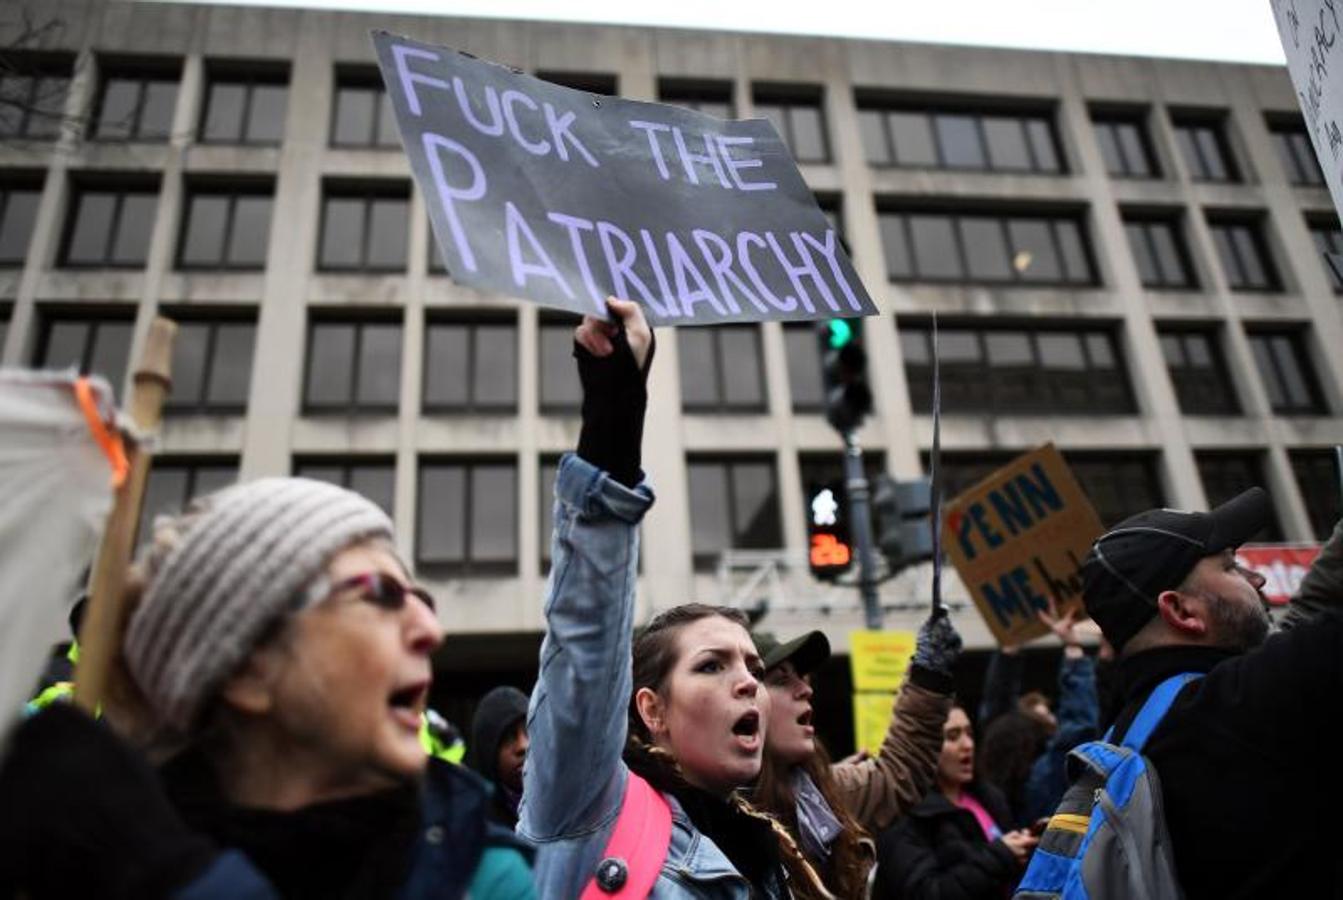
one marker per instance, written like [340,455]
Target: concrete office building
[1124,255]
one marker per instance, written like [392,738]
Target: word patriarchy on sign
[564,197]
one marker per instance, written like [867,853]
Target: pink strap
[639,841]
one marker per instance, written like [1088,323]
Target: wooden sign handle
[104,619]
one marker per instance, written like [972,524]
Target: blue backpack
[1108,838]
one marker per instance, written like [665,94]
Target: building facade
[1123,254]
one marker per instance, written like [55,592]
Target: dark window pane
[1148,271]
[804,367]
[1107,138]
[191,349]
[389,219]
[130,244]
[224,112]
[387,135]
[1007,143]
[116,115]
[808,134]
[986,252]
[898,262]
[560,388]
[1170,261]
[111,351]
[16,226]
[711,527]
[207,217]
[65,345]
[960,142]
[376,482]
[1072,250]
[446,351]
[1215,164]
[231,369]
[355,108]
[913,137]
[342,233]
[1318,479]
[92,229]
[934,246]
[496,374]
[265,118]
[1032,250]
[1041,136]
[699,367]
[549,470]
[756,508]
[331,362]
[1135,151]
[441,531]
[165,495]
[493,514]
[379,366]
[743,370]
[872,128]
[156,116]
[250,233]
[1251,260]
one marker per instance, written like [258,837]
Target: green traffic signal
[841,332]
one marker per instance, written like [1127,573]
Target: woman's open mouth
[747,730]
[407,704]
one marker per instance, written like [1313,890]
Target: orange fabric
[108,440]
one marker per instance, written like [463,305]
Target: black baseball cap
[807,653]
[1132,563]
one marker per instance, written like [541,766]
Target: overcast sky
[1240,30]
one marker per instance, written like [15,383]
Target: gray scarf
[816,822]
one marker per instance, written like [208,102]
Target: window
[18,213]
[797,116]
[4,326]
[1317,478]
[173,483]
[1009,370]
[110,226]
[94,343]
[1225,475]
[1159,252]
[471,366]
[225,229]
[734,504]
[1198,372]
[805,380]
[986,248]
[212,365]
[375,479]
[1118,486]
[1244,255]
[32,96]
[589,82]
[353,366]
[1295,152]
[1284,364]
[1328,239]
[244,106]
[550,467]
[559,390]
[713,98]
[364,229]
[952,138]
[1124,145]
[1203,143]
[467,517]
[363,115]
[721,369]
[136,104]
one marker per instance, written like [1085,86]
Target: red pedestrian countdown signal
[829,553]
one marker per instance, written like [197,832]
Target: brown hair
[850,858]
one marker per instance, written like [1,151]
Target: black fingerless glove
[615,397]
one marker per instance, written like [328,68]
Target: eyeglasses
[381,590]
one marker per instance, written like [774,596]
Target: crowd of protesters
[267,729]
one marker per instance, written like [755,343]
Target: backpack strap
[1153,710]
[637,848]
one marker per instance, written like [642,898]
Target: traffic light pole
[860,519]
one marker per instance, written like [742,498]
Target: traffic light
[829,551]
[848,398]
[902,510]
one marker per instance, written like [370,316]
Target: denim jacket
[574,778]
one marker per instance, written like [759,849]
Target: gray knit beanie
[244,557]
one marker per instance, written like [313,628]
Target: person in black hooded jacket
[955,845]
[498,749]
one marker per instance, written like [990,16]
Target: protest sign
[878,659]
[564,197]
[1282,565]
[1310,31]
[1018,538]
[871,720]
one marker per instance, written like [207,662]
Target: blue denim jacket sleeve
[1079,722]
[574,776]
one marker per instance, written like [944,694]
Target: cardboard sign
[871,720]
[564,197]
[1018,538]
[1282,565]
[1310,31]
[879,659]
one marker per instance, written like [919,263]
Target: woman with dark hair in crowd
[280,656]
[668,741]
[956,844]
[832,810]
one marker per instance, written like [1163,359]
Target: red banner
[1282,565]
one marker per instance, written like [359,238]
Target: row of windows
[353,366]
[246,103]
[467,508]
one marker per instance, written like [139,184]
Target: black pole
[860,518]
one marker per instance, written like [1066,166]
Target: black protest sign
[564,197]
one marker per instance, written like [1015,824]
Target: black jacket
[498,714]
[1247,761]
[938,852]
